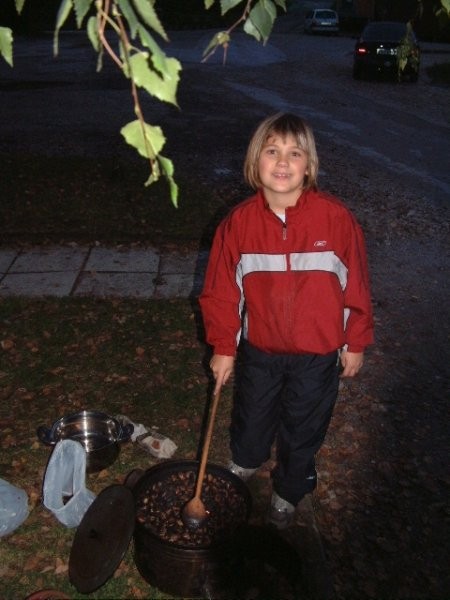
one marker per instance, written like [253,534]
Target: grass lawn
[75,199]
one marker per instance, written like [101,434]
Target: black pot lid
[102,538]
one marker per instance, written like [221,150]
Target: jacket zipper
[284,236]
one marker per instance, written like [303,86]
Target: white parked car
[321,20]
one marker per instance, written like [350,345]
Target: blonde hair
[282,124]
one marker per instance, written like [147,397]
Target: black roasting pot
[168,556]
[191,564]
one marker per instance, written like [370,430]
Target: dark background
[38,16]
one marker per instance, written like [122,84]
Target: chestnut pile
[159,509]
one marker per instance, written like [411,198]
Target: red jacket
[288,288]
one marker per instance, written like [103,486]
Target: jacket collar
[304,198]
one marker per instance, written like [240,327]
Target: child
[286,289]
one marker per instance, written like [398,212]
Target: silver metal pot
[99,433]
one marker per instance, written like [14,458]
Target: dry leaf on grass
[61,567]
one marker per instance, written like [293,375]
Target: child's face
[282,168]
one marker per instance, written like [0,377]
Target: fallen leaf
[103,474]
[57,370]
[7,344]
[61,567]
[32,563]
[46,570]
[8,441]
[183,424]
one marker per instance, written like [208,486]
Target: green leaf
[147,139]
[160,85]
[19,5]
[63,12]
[446,5]
[81,9]
[281,4]
[155,173]
[130,16]
[92,31]
[147,12]
[262,16]
[167,167]
[251,29]
[6,45]
[402,62]
[208,4]
[158,57]
[226,5]
[221,38]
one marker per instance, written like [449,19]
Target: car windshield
[325,14]
[384,32]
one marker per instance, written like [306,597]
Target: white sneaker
[241,472]
[281,512]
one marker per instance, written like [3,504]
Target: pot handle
[132,478]
[44,434]
[125,432]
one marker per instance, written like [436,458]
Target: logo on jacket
[320,243]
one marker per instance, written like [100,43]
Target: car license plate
[386,51]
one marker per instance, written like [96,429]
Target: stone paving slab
[132,261]
[44,260]
[177,263]
[7,258]
[176,285]
[101,272]
[114,285]
[38,284]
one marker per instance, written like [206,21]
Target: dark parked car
[387,48]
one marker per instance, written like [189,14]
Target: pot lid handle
[102,538]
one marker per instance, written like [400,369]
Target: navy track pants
[288,399]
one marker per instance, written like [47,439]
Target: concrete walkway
[100,272]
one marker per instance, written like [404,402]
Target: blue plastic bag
[13,507]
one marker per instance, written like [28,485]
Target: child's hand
[351,363]
[222,368]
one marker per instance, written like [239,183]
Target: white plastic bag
[13,507]
[157,445]
[65,492]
